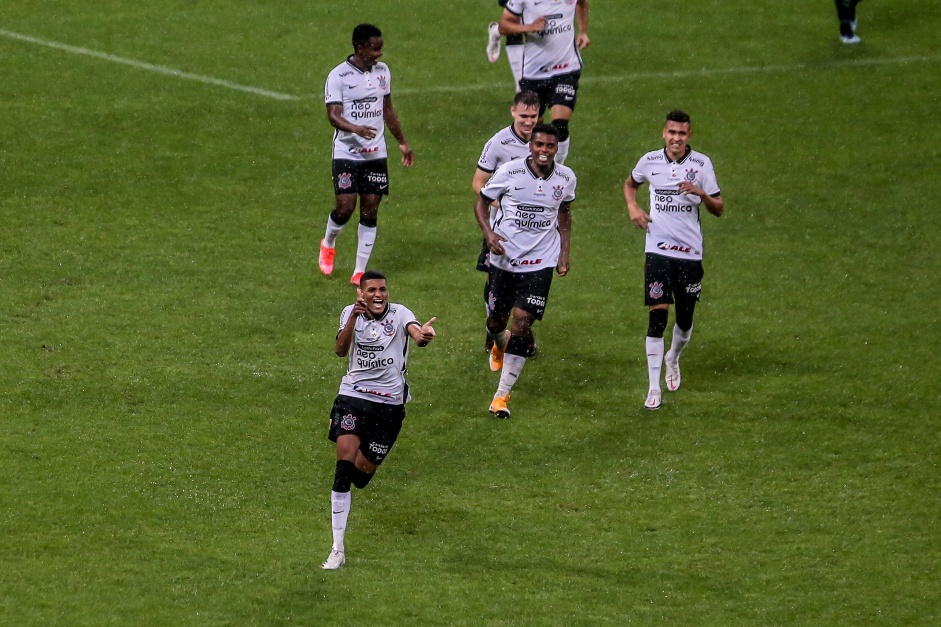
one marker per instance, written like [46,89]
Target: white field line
[589,79]
[150,67]
[754,69]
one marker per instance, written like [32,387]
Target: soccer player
[506,145]
[552,64]
[681,180]
[528,237]
[358,95]
[367,414]
[846,13]
[514,49]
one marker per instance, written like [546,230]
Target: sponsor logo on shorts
[537,301]
[344,180]
[379,449]
[656,289]
[694,288]
[348,422]
[377,177]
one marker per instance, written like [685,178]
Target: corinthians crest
[557,191]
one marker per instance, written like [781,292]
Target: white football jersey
[378,355]
[675,229]
[528,215]
[552,51]
[362,94]
[505,146]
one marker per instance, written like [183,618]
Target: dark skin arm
[482,213]
[392,122]
[565,231]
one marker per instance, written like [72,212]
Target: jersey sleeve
[708,180]
[570,196]
[387,88]
[333,89]
[345,318]
[515,7]
[488,161]
[497,185]
[639,173]
[407,317]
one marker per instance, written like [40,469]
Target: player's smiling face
[375,294]
[369,53]
[675,137]
[524,119]
[543,148]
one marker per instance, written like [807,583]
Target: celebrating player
[506,145]
[680,180]
[514,49]
[552,64]
[358,94]
[367,414]
[528,237]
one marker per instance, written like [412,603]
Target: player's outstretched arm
[423,334]
[638,216]
[392,122]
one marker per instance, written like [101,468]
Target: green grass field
[167,366]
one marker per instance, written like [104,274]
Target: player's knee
[657,323]
[495,327]
[519,345]
[563,127]
[343,476]
[340,217]
[361,479]
[684,314]
[368,221]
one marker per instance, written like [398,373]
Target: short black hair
[677,115]
[363,33]
[371,275]
[527,98]
[545,129]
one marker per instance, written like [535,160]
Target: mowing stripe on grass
[160,69]
[623,78]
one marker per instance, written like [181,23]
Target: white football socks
[340,502]
[514,55]
[654,361]
[512,367]
[366,238]
[679,341]
[333,231]
[563,150]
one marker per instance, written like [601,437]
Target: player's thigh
[658,280]
[531,293]
[563,95]
[502,286]
[687,280]
[386,422]
[348,417]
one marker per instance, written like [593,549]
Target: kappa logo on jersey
[673,247]
[656,290]
[557,191]
[691,174]
[345,180]
[348,422]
